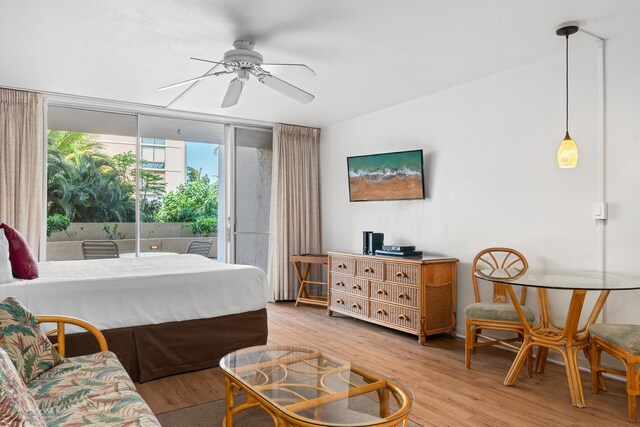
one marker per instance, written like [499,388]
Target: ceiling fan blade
[289,69]
[207,60]
[191,86]
[286,88]
[233,93]
[184,82]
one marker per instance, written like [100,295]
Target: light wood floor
[446,394]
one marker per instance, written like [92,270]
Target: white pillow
[6,275]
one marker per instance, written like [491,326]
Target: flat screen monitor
[386,176]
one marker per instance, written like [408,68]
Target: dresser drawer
[397,294]
[370,269]
[400,316]
[351,303]
[402,273]
[343,265]
[350,285]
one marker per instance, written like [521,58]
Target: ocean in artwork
[388,176]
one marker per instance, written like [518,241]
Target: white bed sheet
[116,293]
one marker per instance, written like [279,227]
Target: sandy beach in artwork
[396,188]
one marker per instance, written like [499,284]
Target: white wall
[622,238]
[491,173]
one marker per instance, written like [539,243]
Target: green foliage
[112,234]
[86,185]
[83,183]
[57,222]
[190,202]
[152,186]
[204,226]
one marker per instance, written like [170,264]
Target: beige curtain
[295,204]
[21,165]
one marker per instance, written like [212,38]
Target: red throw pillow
[23,264]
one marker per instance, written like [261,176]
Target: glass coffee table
[305,387]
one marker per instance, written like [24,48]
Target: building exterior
[167,158]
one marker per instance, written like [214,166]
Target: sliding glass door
[154,184]
[180,167]
[91,193]
[252,195]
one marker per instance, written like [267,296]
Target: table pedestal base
[568,340]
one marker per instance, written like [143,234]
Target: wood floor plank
[445,393]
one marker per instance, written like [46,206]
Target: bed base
[149,352]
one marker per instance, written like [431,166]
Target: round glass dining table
[568,339]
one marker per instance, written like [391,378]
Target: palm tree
[83,183]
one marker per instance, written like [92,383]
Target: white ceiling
[368,54]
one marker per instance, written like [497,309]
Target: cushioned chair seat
[78,379]
[623,336]
[502,312]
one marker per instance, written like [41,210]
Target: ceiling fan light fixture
[567,155]
[243,74]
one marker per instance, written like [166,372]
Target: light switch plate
[599,211]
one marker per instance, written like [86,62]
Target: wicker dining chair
[499,314]
[200,247]
[99,249]
[623,343]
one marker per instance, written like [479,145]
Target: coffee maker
[371,242]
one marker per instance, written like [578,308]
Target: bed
[160,315]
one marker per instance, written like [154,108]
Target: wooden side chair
[99,249]
[623,343]
[499,314]
[200,247]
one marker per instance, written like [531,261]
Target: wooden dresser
[414,295]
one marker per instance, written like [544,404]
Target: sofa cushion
[23,264]
[17,407]
[125,408]
[505,312]
[21,337]
[77,379]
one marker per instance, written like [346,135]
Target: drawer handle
[403,295]
[403,317]
[339,284]
[401,274]
[368,270]
[356,306]
[357,287]
[381,291]
[339,301]
[341,265]
[381,311]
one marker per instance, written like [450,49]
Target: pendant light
[568,150]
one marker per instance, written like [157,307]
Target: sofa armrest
[61,321]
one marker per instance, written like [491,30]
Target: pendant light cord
[567,85]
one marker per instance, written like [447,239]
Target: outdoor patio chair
[200,247]
[99,249]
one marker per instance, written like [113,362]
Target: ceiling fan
[243,61]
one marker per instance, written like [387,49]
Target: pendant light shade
[567,155]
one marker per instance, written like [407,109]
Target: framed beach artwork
[386,176]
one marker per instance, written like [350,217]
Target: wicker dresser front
[417,296]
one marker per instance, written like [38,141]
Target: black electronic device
[365,242]
[398,248]
[376,240]
[398,253]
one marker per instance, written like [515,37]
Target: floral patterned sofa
[39,387]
